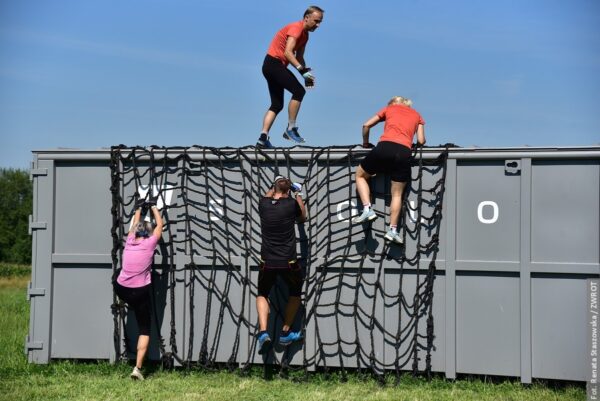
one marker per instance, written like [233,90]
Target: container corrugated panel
[519,242]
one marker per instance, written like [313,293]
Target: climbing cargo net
[366,304]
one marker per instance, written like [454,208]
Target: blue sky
[91,74]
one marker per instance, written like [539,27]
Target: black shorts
[390,158]
[138,299]
[292,276]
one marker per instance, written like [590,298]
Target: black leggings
[279,78]
[139,300]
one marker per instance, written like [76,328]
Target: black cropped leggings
[138,299]
[279,78]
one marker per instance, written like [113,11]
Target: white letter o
[494,206]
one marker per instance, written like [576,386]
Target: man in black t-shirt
[279,211]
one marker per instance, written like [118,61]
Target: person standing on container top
[279,210]
[287,47]
[391,156]
[133,284]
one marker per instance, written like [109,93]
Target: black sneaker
[264,143]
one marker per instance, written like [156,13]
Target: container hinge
[512,167]
[36,172]
[31,345]
[35,292]
[36,225]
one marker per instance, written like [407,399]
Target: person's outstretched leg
[262,308]
[361,178]
[268,121]
[290,312]
[395,208]
[142,349]
[293,110]
[298,93]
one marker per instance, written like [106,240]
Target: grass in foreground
[67,380]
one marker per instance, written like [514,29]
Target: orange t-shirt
[277,47]
[401,124]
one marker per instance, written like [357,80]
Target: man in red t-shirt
[391,156]
[287,47]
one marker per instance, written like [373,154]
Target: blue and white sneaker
[290,337]
[367,215]
[293,135]
[264,143]
[393,237]
[264,340]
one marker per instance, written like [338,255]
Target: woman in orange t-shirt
[391,156]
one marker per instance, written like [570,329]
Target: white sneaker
[394,237]
[136,374]
[367,215]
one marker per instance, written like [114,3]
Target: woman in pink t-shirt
[133,284]
[391,156]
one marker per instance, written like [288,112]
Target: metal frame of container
[520,243]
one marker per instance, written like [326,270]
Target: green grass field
[66,380]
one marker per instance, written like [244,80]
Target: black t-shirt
[277,219]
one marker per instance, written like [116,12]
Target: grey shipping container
[518,248]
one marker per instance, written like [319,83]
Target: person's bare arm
[159,222]
[300,57]
[366,129]
[290,55]
[136,219]
[421,134]
[302,217]
[269,193]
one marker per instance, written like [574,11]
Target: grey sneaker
[393,237]
[136,374]
[367,215]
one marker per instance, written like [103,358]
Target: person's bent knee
[276,108]
[298,94]
[361,173]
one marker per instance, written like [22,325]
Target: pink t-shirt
[137,260]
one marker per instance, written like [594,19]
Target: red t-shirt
[401,124]
[277,47]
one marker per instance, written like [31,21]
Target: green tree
[16,197]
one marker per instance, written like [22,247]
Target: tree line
[16,200]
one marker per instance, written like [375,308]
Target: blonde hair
[400,100]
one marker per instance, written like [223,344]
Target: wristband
[305,72]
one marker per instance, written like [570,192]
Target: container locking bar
[36,225]
[31,345]
[34,292]
[36,172]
